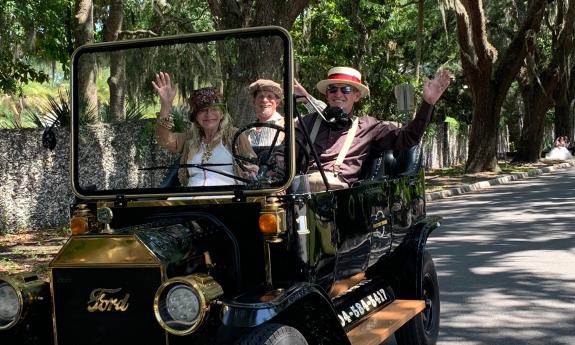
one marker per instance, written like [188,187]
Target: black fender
[430,223]
[302,305]
[403,268]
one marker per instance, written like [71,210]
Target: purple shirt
[372,136]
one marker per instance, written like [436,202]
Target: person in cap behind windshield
[208,141]
[266,97]
[343,88]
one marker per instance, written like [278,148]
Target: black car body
[154,263]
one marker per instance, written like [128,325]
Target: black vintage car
[263,260]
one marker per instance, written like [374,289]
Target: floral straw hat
[204,98]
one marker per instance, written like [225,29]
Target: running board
[382,324]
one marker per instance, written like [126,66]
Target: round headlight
[183,304]
[9,304]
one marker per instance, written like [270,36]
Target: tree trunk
[565,57]
[489,82]
[537,103]
[563,114]
[84,34]
[239,74]
[419,40]
[117,79]
[482,155]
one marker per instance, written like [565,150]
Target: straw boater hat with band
[266,85]
[343,75]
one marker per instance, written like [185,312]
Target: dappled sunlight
[505,258]
[542,263]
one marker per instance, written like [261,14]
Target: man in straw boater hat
[329,128]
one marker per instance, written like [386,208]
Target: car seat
[392,163]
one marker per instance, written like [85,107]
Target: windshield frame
[163,193]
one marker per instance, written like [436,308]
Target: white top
[263,136]
[201,177]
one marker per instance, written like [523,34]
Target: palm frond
[135,111]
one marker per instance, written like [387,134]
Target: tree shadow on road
[504,259]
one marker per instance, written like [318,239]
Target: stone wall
[35,188]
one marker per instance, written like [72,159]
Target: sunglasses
[344,89]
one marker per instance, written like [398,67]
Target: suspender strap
[315,128]
[346,146]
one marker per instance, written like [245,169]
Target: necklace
[208,151]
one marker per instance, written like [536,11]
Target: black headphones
[336,117]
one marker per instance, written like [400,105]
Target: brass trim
[268,263]
[54,328]
[165,203]
[16,285]
[106,251]
[208,289]
[52,295]
[29,289]
[204,36]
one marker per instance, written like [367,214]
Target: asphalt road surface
[505,258]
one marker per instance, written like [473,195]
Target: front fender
[403,266]
[412,257]
[254,308]
[422,231]
[303,306]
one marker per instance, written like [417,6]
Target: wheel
[424,328]
[273,334]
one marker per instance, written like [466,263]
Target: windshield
[183,115]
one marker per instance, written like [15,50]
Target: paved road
[506,263]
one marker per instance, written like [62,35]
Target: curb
[467,188]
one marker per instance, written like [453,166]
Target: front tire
[273,334]
[424,328]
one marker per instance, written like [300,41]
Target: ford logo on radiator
[103,300]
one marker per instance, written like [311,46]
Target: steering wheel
[267,159]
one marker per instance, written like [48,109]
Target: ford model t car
[263,258]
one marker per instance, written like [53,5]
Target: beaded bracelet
[165,122]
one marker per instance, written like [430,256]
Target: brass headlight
[182,303]
[17,295]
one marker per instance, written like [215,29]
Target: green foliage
[14,72]
[181,117]
[146,139]
[106,116]
[452,122]
[135,111]
[58,110]
[87,114]
[31,29]
[35,116]
[326,36]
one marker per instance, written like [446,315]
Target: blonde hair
[225,133]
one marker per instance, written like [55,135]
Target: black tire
[424,328]
[273,334]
